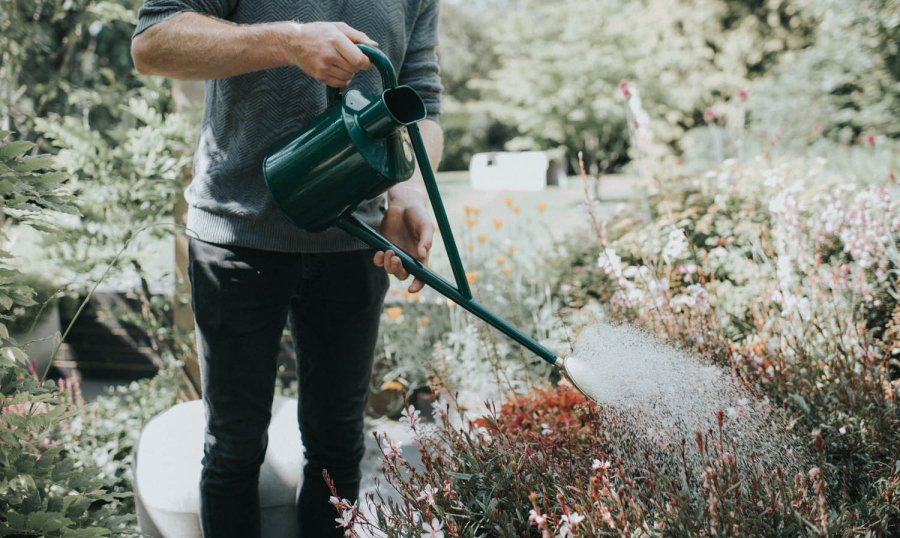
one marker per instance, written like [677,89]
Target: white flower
[433,530]
[535,518]
[410,416]
[700,297]
[568,522]
[597,464]
[843,430]
[441,407]
[346,519]
[610,262]
[427,494]
[391,450]
[573,519]
[546,430]
[676,246]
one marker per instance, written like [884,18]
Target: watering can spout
[394,108]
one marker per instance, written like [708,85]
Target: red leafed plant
[559,409]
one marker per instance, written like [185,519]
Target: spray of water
[660,395]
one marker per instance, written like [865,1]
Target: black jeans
[241,299]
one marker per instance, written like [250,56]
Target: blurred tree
[561,63]
[467,56]
[845,85]
[64,58]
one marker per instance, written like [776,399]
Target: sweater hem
[273,235]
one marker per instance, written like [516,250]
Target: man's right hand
[327,51]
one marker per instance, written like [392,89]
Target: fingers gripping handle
[381,62]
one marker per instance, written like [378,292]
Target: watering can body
[352,153]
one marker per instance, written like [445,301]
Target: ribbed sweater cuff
[275,234]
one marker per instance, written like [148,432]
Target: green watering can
[356,150]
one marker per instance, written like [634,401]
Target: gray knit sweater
[247,115]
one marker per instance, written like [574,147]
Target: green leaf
[15,520]
[15,149]
[6,186]
[37,520]
[4,134]
[30,164]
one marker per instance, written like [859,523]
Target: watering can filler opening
[356,150]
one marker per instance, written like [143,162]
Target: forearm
[413,190]
[192,46]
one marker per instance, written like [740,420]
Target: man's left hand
[408,225]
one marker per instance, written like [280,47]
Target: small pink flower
[427,494]
[346,519]
[742,95]
[433,530]
[870,140]
[710,115]
[410,416]
[678,161]
[817,128]
[535,518]
[634,122]
[623,86]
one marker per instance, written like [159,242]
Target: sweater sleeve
[157,11]
[420,67]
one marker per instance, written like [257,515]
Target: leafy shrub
[44,490]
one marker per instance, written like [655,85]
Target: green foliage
[60,56]
[44,491]
[126,179]
[845,86]
[104,433]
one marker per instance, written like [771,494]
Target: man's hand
[327,51]
[408,225]
[407,222]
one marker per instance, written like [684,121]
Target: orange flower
[541,207]
[450,303]
[405,294]
[394,312]
[414,297]
[471,222]
[393,292]
[500,260]
[498,223]
[508,271]
[511,249]
[508,201]
[483,238]
[476,210]
[424,321]
[472,277]
[516,210]
[468,209]
[471,247]
[392,385]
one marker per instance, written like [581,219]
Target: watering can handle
[381,62]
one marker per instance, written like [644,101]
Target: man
[265,62]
